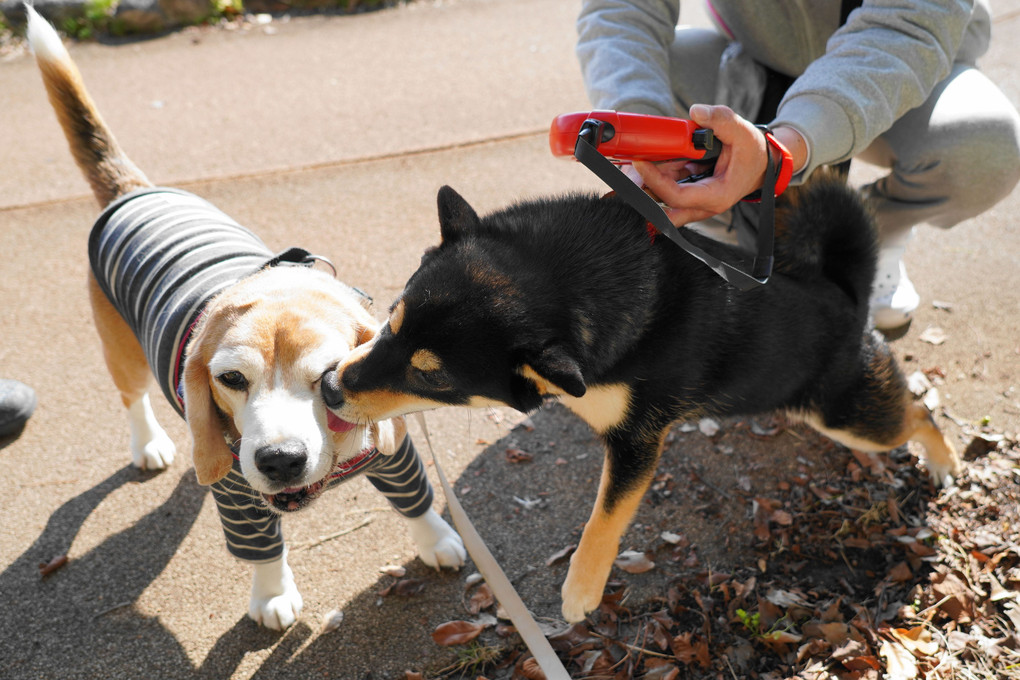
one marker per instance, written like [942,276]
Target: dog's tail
[105,166]
[824,228]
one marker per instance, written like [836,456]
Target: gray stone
[138,16]
[179,12]
[56,11]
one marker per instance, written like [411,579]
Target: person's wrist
[794,143]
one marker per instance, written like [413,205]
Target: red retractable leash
[602,139]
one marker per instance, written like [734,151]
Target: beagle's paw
[275,600]
[438,544]
[151,447]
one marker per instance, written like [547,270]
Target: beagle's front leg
[438,544]
[275,600]
[151,447]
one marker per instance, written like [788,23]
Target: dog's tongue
[337,424]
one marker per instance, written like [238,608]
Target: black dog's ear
[455,215]
[558,368]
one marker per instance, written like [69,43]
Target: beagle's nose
[332,390]
[283,462]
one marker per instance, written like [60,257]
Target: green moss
[95,18]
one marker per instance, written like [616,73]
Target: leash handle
[626,137]
[496,578]
[588,154]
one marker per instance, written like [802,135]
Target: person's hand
[739,170]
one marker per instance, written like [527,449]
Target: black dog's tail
[105,166]
[823,228]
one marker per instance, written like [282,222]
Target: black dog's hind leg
[876,412]
[632,454]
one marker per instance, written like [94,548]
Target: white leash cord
[497,580]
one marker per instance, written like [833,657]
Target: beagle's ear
[209,452]
[554,371]
[364,333]
[456,217]
[388,435]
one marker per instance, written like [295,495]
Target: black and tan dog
[569,298]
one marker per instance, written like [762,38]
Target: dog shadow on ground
[528,492]
[88,604]
[73,606]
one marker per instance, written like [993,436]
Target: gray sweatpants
[950,159]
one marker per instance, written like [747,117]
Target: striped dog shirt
[160,255]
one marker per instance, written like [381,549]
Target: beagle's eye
[233,380]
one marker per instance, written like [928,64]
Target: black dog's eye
[432,378]
[233,380]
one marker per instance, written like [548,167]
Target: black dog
[571,298]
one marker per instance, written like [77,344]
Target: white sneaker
[893,297]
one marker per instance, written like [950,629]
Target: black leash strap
[292,256]
[588,154]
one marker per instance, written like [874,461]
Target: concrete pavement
[334,133]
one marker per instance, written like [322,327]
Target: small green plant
[95,18]
[473,659]
[752,622]
[227,8]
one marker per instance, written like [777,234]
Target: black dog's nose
[282,462]
[332,390]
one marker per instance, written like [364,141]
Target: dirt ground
[776,554]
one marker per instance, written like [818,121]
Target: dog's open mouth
[295,498]
[337,424]
[292,499]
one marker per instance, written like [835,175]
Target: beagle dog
[238,339]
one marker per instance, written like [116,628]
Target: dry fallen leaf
[531,670]
[47,568]
[526,424]
[786,598]
[918,383]
[686,649]
[767,429]
[518,456]
[332,620]
[407,587]
[899,663]
[900,573]
[482,599]
[933,335]
[558,557]
[708,427]
[671,538]
[456,633]
[782,518]
[634,562]
[917,639]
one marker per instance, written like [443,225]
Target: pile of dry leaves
[863,573]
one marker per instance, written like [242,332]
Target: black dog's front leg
[632,453]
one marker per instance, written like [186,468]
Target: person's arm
[623,48]
[883,62]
